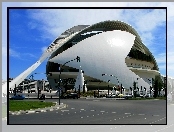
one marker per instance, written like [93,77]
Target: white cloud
[43,49]
[161,58]
[57,21]
[29,55]
[32,25]
[13,53]
[161,62]
[21,56]
[149,21]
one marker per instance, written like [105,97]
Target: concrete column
[23,88]
[37,85]
[43,85]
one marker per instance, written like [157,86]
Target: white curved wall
[103,53]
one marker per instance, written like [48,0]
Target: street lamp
[108,86]
[109,80]
[60,68]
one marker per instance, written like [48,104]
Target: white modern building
[113,48]
[111,54]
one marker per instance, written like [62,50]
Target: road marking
[74,112]
[72,108]
[102,111]
[87,116]
[81,117]
[113,112]
[64,110]
[127,113]
[141,114]
[115,119]
[155,115]
[92,110]
[97,114]
[92,115]
[82,109]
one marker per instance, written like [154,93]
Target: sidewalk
[56,107]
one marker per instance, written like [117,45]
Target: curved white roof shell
[103,53]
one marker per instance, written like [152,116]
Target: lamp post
[109,81]
[108,86]
[60,68]
[145,91]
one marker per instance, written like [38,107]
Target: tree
[156,88]
[134,89]
[158,84]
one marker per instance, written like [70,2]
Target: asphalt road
[95,111]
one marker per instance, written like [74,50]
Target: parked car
[17,97]
[120,95]
[71,95]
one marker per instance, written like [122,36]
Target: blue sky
[31,31]
[26,43]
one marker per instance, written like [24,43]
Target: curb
[106,98]
[52,108]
